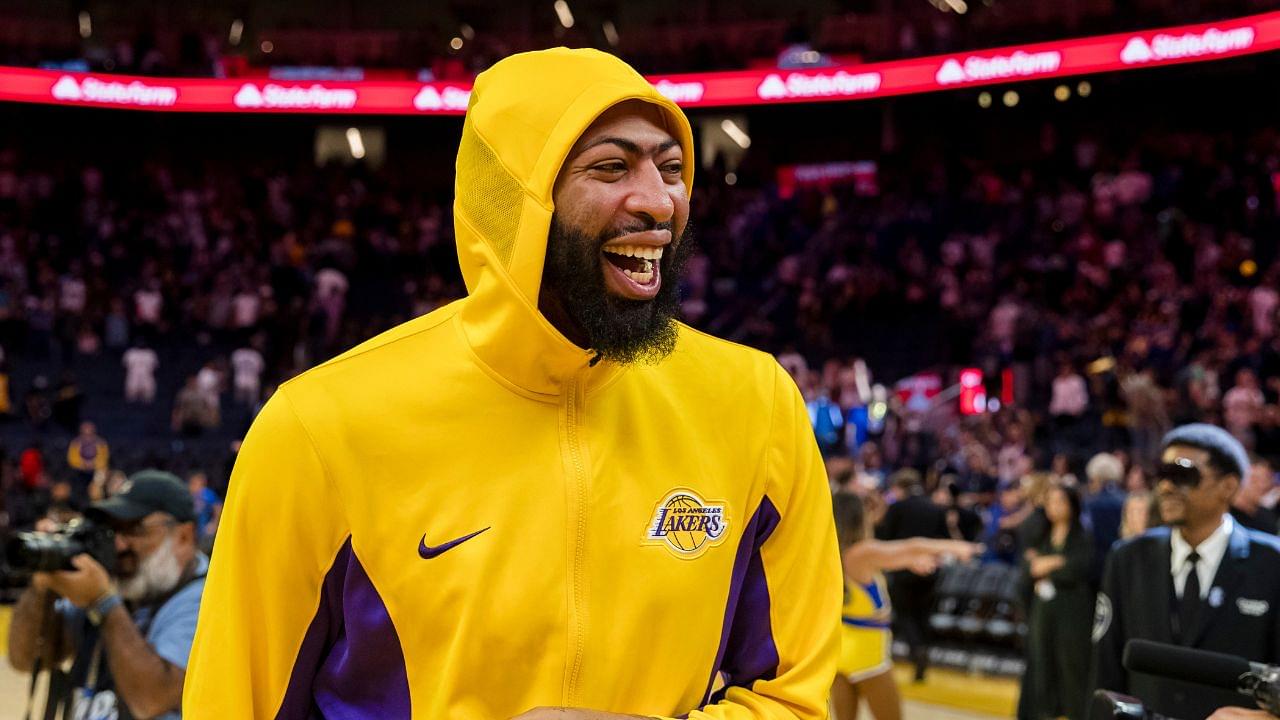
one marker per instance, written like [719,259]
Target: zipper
[578,518]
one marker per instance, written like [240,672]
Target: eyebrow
[629,146]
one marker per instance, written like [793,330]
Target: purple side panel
[350,665]
[747,650]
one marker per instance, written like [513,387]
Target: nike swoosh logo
[427,552]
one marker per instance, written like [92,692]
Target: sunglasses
[1181,472]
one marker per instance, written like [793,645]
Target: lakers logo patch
[687,524]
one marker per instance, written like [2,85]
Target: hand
[924,565]
[82,586]
[1239,713]
[1042,566]
[964,551]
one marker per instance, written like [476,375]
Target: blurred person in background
[1135,518]
[1061,609]
[866,657]
[961,521]
[87,455]
[1067,404]
[1000,534]
[192,413]
[247,366]
[140,364]
[1204,581]
[1242,406]
[1104,506]
[208,507]
[1036,523]
[1247,506]
[914,514]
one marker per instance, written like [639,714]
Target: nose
[650,195]
[121,543]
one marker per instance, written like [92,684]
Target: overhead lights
[467,32]
[735,133]
[267,46]
[610,32]
[356,142]
[1010,98]
[1062,93]
[984,100]
[456,43]
[236,32]
[86,24]
[960,6]
[563,12]
[1084,88]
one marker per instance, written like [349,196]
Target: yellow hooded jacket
[463,518]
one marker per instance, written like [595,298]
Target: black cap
[146,492]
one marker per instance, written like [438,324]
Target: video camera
[1257,681]
[33,551]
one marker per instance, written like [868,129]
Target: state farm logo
[1171,47]
[681,92]
[272,96]
[91,89]
[804,85]
[1019,64]
[451,98]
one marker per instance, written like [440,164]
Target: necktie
[1190,606]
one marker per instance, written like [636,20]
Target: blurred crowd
[1107,290]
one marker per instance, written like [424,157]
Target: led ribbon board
[1104,53]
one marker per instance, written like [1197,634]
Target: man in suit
[1204,582]
[913,515]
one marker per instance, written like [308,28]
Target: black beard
[618,329]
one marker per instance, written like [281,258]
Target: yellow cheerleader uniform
[866,642]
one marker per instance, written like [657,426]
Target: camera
[29,552]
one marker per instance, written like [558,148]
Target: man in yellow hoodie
[545,500]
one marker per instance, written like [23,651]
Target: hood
[525,114]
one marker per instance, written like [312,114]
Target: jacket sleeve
[282,527]
[1108,634]
[779,656]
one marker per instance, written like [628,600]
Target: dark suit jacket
[914,516]
[1241,616]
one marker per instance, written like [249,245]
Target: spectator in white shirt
[247,365]
[140,363]
[1070,394]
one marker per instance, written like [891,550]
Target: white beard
[157,574]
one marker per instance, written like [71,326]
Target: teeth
[643,277]
[637,251]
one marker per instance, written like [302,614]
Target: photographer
[130,634]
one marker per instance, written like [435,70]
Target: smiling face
[616,246]
[1187,502]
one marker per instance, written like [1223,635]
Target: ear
[1230,485]
[187,533]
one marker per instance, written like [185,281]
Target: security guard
[1204,582]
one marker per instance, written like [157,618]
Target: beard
[157,574]
[618,329]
